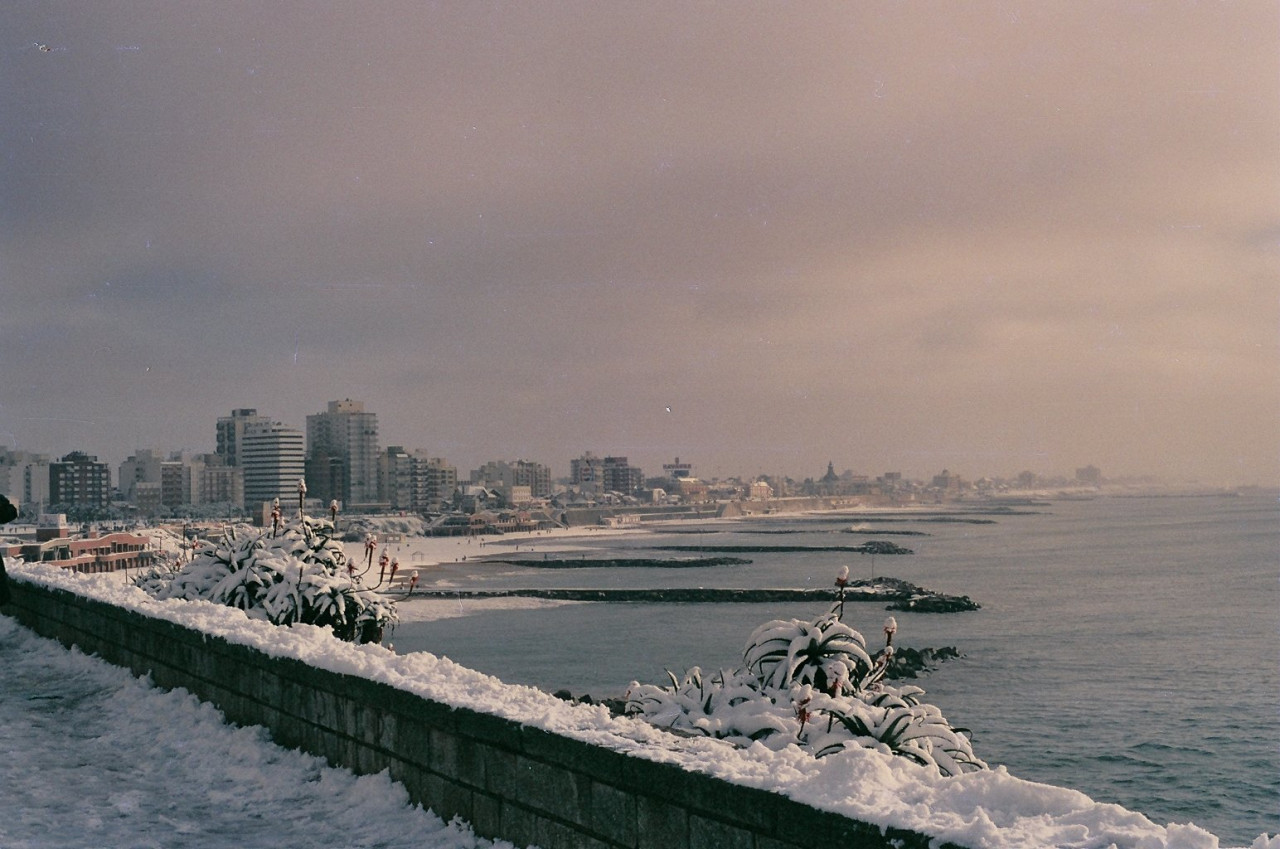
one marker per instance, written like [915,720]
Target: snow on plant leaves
[298,574]
[811,684]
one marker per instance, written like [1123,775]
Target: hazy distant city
[984,238]
[340,460]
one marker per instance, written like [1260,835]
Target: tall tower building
[79,480]
[273,459]
[617,475]
[35,483]
[342,453]
[434,481]
[586,472]
[143,466]
[415,480]
[395,476]
[231,433]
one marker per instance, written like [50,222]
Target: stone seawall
[509,780]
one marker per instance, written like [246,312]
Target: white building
[35,482]
[273,459]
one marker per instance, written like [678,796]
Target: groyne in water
[868,547]
[894,593]
[618,562]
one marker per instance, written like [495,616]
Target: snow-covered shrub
[164,565]
[299,574]
[728,705]
[894,720]
[825,653]
[811,684]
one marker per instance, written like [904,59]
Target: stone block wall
[510,781]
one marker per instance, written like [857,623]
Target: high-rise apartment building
[35,484]
[585,472]
[395,471]
[273,459]
[218,483]
[175,482]
[149,481]
[617,475]
[10,476]
[415,480]
[434,482]
[499,474]
[142,466]
[24,477]
[612,474]
[79,480]
[342,453]
[231,433]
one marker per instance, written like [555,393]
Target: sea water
[1126,646]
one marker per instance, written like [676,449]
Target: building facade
[434,482]
[90,554]
[395,470]
[24,477]
[586,472]
[502,475]
[35,484]
[342,445]
[219,484]
[142,466]
[231,433]
[273,459]
[151,482]
[79,480]
[617,475]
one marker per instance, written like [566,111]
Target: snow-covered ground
[95,757]
[989,809]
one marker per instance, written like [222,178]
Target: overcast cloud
[899,236]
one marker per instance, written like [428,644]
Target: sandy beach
[443,562]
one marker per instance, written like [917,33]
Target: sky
[988,237]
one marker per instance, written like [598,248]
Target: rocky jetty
[911,663]
[904,595]
[873,546]
[561,562]
[936,604]
[900,594]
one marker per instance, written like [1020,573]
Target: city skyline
[990,238]
[307,446]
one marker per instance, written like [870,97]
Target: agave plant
[825,653]
[298,575]
[728,705]
[812,684]
[899,724]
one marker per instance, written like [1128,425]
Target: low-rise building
[92,553]
[692,490]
